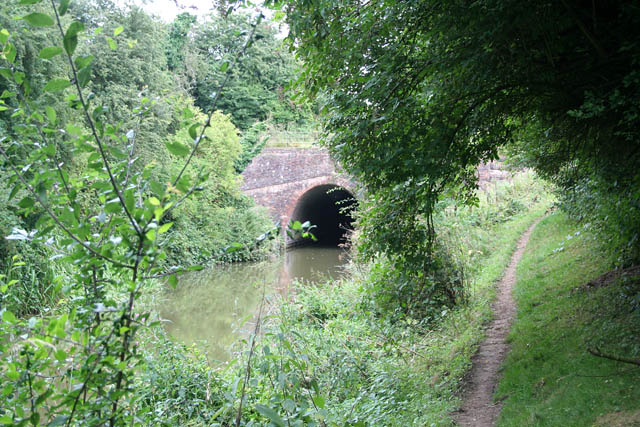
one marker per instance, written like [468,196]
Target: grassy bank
[549,376]
[329,357]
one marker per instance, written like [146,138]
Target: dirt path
[478,408]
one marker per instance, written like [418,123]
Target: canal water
[214,308]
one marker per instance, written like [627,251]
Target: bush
[218,215]
[423,294]
[419,284]
[178,387]
[613,217]
[28,264]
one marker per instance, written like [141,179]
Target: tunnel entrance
[329,208]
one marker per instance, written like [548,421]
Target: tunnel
[329,208]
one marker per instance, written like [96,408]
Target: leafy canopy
[419,92]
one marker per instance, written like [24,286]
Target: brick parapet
[275,166]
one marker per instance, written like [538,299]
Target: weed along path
[478,408]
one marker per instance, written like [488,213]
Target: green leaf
[112,43]
[225,66]
[157,188]
[4,36]
[319,401]
[184,184]
[173,281]
[34,419]
[193,131]
[51,114]
[151,235]
[14,191]
[234,247]
[113,206]
[84,76]
[129,199]
[71,37]
[164,228]
[83,61]
[64,5]
[9,317]
[271,414]
[26,203]
[60,355]
[154,201]
[19,76]
[30,1]
[117,153]
[57,85]
[177,149]
[10,53]
[37,19]
[49,150]
[14,375]
[117,31]
[50,52]
[75,28]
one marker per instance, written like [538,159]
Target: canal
[215,307]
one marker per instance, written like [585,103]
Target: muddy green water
[214,308]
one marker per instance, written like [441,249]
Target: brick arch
[296,196]
[319,204]
[278,177]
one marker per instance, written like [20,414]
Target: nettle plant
[107,222]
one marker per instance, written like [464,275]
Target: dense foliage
[328,357]
[418,93]
[257,88]
[120,170]
[99,164]
[121,72]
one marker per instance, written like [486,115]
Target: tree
[257,88]
[418,93]
[177,40]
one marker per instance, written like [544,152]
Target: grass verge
[549,376]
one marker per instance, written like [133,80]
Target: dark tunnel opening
[329,208]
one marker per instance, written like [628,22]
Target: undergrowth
[329,358]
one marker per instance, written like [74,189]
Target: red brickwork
[278,177]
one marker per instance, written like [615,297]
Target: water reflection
[312,264]
[210,307]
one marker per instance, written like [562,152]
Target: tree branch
[596,352]
[94,132]
[217,97]
[55,218]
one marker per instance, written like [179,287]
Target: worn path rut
[478,408]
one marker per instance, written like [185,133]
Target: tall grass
[550,379]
